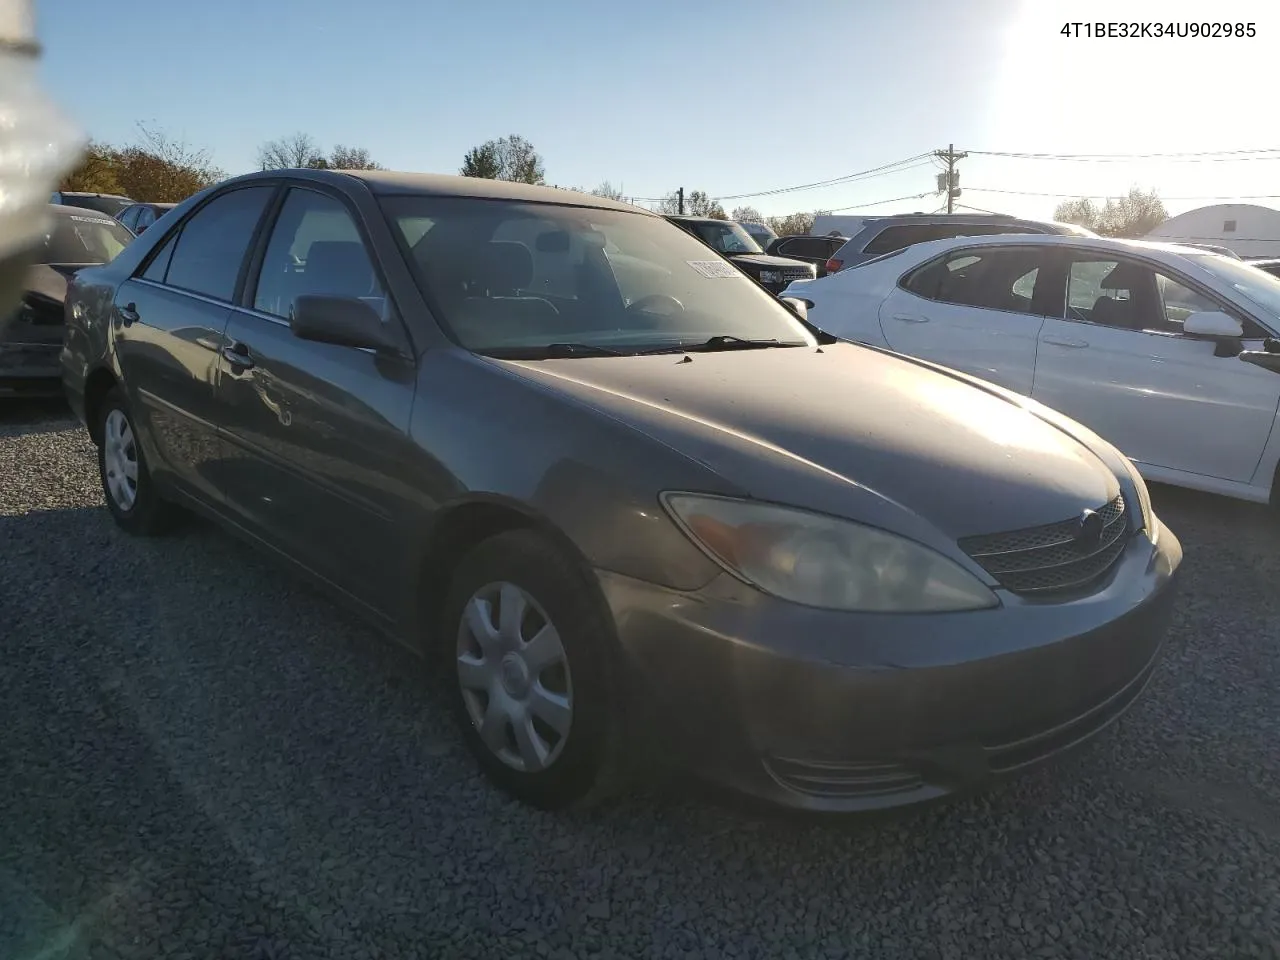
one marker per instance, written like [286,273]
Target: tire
[133,500]
[556,758]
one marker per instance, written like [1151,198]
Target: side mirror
[339,320]
[1213,323]
[797,306]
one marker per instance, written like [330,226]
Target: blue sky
[727,96]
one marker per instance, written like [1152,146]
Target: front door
[169,320]
[1119,363]
[315,435]
[975,309]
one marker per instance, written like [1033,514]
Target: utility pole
[680,200]
[952,181]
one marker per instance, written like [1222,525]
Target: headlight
[1149,520]
[770,276]
[822,561]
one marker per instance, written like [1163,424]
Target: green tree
[508,158]
[157,168]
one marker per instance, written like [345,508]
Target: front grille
[1049,559]
[795,273]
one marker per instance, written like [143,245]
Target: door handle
[907,318]
[237,354]
[1062,342]
[129,314]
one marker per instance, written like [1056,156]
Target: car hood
[848,431]
[766,261]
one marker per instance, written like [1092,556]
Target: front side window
[315,248]
[210,249]
[515,279]
[84,238]
[1002,278]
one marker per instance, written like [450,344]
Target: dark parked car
[139,216]
[815,250]
[32,339]
[108,203]
[881,235]
[729,239]
[1271,266]
[618,495]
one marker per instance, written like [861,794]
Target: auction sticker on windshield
[714,269]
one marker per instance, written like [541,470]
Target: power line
[897,166]
[1120,196]
[1209,156]
[876,203]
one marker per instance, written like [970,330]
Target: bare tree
[747,214]
[608,191]
[794,224]
[352,158]
[296,150]
[696,204]
[1133,216]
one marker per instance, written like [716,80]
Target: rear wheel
[533,673]
[126,483]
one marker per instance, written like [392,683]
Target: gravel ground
[201,757]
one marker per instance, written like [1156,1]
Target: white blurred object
[38,143]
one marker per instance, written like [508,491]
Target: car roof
[955,218]
[929,248]
[67,210]
[86,193]
[394,183]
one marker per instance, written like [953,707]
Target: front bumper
[30,369]
[823,710]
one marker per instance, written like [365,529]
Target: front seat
[339,268]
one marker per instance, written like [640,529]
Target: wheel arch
[461,526]
[97,385]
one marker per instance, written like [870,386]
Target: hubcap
[514,676]
[120,460]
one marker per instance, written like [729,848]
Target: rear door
[315,435]
[976,309]
[168,328]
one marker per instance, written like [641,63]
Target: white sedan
[1169,352]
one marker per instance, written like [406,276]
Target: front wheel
[533,673]
[126,483]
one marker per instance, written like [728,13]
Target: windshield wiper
[722,341]
[580,350]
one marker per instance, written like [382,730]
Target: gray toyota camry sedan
[617,493]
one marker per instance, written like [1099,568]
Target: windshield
[506,277]
[1256,285]
[725,236]
[760,233]
[84,239]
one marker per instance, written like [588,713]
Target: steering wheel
[644,303]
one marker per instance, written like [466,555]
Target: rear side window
[895,238]
[1005,278]
[211,247]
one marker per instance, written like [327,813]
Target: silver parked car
[616,492]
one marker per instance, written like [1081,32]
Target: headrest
[508,266]
[1123,276]
[339,268]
